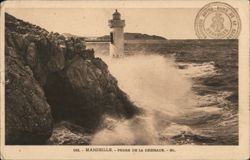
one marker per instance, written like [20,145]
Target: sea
[187,88]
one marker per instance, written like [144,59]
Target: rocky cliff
[49,79]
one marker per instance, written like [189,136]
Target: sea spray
[154,84]
[138,130]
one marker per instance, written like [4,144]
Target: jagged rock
[27,114]
[31,56]
[18,40]
[11,52]
[43,41]
[22,30]
[99,63]
[9,39]
[61,37]
[83,93]
[56,58]
[68,134]
[48,75]
[87,54]
[10,25]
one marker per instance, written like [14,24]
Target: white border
[182,152]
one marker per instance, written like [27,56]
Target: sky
[171,23]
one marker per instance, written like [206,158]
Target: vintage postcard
[124,80]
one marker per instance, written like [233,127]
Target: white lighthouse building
[116,47]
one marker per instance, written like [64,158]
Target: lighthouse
[116,47]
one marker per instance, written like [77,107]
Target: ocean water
[185,101]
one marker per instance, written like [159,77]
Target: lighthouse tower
[116,47]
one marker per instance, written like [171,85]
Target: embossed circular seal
[217,20]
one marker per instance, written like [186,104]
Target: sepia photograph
[124,76]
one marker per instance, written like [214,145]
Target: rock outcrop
[65,133]
[28,118]
[51,78]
